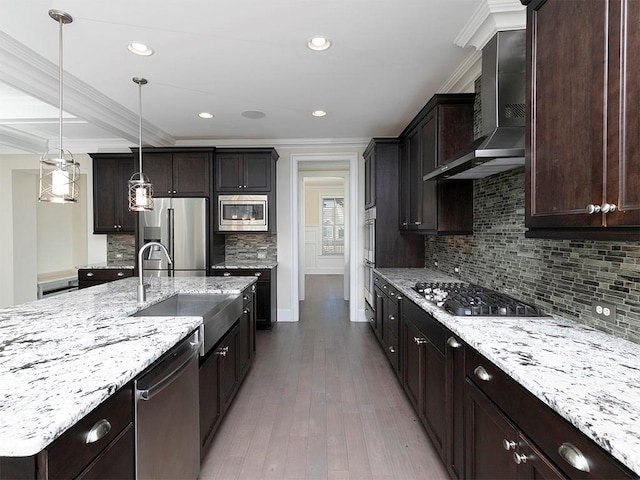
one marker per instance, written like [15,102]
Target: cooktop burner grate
[465,299]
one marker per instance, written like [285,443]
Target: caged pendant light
[140,188]
[59,174]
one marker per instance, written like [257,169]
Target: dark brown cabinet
[265,305]
[382,170]
[424,370]
[178,172]
[387,321]
[247,170]
[111,174]
[88,277]
[246,334]
[454,406]
[442,128]
[582,152]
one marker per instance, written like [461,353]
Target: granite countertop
[590,378]
[62,356]
[246,264]
[107,265]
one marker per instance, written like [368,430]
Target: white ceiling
[387,58]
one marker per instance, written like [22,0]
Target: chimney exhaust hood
[502,94]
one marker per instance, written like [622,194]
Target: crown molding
[297,143]
[18,140]
[25,70]
[490,17]
[464,75]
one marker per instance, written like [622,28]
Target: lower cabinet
[88,277]
[223,370]
[386,321]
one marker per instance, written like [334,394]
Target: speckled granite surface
[589,377]
[246,264]
[107,265]
[61,357]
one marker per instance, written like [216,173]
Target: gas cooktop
[467,299]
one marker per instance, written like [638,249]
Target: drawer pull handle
[482,374]
[257,274]
[245,297]
[392,294]
[90,274]
[98,431]
[398,298]
[120,274]
[392,350]
[246,310]
[519,458]
[392,318]
[420,340]
[574,457]
[509,444]
[453,343]
[226,274]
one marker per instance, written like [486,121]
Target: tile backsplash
[251,246]
[561,276]
[121,249]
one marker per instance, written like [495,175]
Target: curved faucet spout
[142,291]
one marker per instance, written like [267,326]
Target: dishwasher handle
[169,369]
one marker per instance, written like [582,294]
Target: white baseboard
[285,315]
[360,316]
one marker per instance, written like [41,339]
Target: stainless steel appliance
[238,213]
[167,415]
[180,224]
[467,299]
[369,254]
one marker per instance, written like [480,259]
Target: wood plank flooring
[321,402]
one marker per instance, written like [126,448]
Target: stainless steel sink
[219,312]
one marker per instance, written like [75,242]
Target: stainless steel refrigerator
[180,224]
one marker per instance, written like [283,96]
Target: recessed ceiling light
[318,113]
[319,43]
[140,49]
[206,115]
[253,114]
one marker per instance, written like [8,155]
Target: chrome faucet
[142,288]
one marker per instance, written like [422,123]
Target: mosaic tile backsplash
[121,249]
[561,276]
[251,246]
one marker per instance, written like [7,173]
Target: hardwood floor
[321,402]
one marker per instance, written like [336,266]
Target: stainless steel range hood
[503,88]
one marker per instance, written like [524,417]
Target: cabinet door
[486,429]
[106,175]
[623,165]
[245,339]
[370,179]
[415,180]
[381,306]
[116,461]
[257,172]
[263,303]
[567,131]
[434,395]
[159,168]
[228,172]
[229,374]
[210,407]
[429,138]
[404,188]
[127,218]
[191,174]
[454,448]
[534,464]
[413,365]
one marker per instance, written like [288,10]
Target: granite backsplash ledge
[561,276]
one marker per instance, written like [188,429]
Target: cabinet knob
[482,374]
[608,207]
[120,274]
[115,226]
[258,274]
[98,431]
[453,343]
[175,191]
[392,350]
[404,224]
[398,297]
[245,297]
[392,294]
[591,209]
[246,310]
[392,318]
[226,274]
[417,223]
[574,457]
[240,187]
[509,444]
[169,192]
[519,458]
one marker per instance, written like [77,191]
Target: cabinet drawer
[71,453]
[546,428]
[261,274]
[428,326]
[104,274]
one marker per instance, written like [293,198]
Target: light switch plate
[603,310]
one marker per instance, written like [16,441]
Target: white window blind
[332,225]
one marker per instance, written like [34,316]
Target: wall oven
[243,213]
[369,254]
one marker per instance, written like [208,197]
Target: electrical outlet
[262,254]
[456,269]
[435,264]
[603,310]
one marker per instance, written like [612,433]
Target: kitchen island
[61,357]
[588,377]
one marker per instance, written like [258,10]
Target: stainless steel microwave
[243,213]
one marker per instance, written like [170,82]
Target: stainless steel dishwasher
[166,413]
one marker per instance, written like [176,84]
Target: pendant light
[140,188]
[59,173]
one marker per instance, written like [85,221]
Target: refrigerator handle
[170,234]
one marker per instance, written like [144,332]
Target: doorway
[317,166]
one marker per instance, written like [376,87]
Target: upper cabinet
[111,174]
[583,99]
[442,128]
[245,170]
[179,172]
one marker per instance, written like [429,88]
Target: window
[332,225]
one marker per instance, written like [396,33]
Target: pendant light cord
[140,128]
[61,23]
